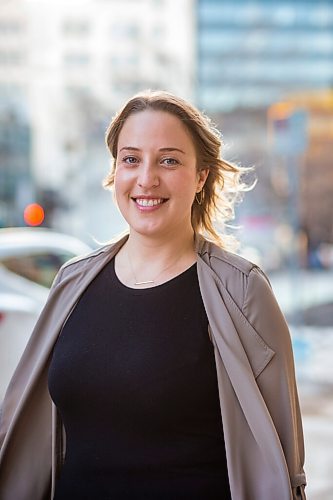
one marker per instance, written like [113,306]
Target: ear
[202,177]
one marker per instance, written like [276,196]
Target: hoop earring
[199,200]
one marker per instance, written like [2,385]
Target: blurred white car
[29,260]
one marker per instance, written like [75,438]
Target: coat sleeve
[17,393]
[277,381]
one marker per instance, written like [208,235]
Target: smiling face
[156,178]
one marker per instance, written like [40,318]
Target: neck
[144,249]
[146,262]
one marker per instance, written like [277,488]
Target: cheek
[121,179]
[120,187]
[189,183]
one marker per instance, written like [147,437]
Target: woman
[161,365]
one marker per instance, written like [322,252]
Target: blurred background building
[65,67]
[252,54]
[262,69]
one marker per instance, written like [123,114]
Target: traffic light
[33,214]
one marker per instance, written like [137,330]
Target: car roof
[26,240]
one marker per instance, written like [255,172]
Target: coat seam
[234,266]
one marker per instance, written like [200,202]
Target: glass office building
[252,53]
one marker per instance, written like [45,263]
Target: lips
[149,202]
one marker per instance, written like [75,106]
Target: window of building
[11,57]
[284,15]
[320,15]
[10,27]
[323,15]
[128,31]
[74,27]
[76,91]
[76,59]
[159,32]
[124,61]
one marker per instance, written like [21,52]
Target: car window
[40,268]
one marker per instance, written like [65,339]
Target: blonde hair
[223,184]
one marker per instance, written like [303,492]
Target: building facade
[64,65]
[252,53]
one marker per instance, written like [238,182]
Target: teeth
[149,203]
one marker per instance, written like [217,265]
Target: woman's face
[156,177]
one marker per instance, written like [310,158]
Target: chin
[149,232]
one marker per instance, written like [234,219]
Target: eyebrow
[131,148]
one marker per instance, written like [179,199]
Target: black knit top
[134,378]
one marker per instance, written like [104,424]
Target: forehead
[150,128]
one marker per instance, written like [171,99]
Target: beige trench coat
[254,361]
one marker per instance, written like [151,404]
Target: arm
[277,381]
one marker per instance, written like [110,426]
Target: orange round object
[33,214]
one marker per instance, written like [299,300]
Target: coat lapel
[241,355]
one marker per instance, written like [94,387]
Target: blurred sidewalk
[307,296]
[313,350]
[317,412]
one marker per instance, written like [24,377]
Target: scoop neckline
[152,289]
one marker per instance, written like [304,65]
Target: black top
[134,378]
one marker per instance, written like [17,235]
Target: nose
[147,175]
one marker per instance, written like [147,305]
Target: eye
[169,162]
[130,160]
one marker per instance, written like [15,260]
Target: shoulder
[247,293]
[83,263]
[235,273]
[224,258]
